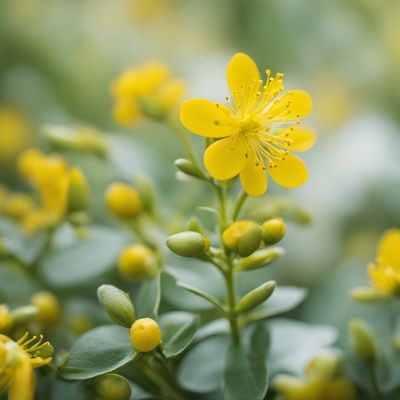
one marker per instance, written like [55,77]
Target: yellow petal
[292,105]
[289,173]
[126,111]
[22,386]
[389,248]
[302,138]
[225,158]
[253,177]
[242,70]
[205,118]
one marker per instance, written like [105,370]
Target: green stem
[222,206]
[374,384]
[231,299]
[239,204]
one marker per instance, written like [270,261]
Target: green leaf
[148,299]
[103,349]
[178,330]
[294,343]
[282,300]
[78,262]
[201,369]
[245,372]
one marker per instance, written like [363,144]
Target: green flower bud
[112,387]
[368,295]
[327,365]
[188,244]
[250,241]
[255,297]
[24,314]
[195,225]
[364,344]
[260,258]
[78,219]
[233,233]
[78,191]
[188,168]
[117,304]
[152,108]
[273,231]
[146,193]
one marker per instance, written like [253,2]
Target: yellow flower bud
[78,191]
[145,335]
[117,304]
[49,310]
[273,231]
[232,234]
[256,297]
[137,262]
[188,244]
[123,200]
[112,387]
[364,344]
[6,319]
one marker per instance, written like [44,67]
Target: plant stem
[374,384]
[231,298]
[222,206]
[239,204]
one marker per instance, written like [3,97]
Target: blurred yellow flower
[149,90]
[256,131]
[15,133]
[49,175]
[17,362]
[385,273]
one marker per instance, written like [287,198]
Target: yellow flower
[49,175]
[385,274]
[17,362]
[256,131]
[148,90]
[145,335]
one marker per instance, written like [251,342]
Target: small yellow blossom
[385,273]
[17,362]
[256,131]
[145,335]
[148,90]
[137,262]
[123,200]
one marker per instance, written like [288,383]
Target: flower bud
[49,310]
[188,244]
[6,319]
[327,365]
[123,200]
[364,344]
[18,205]
[273,231]
[233,233]
[152,108]
[137,262]
[79,324]
[188,168]
[260,258]
[195,225]
[368,295]
[250,241]
[255,297]
[117,304]
[24,314]
[145,335]
[78,191]
[112,387]
[146,193]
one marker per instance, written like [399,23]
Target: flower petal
[292,105]
[253,177]
[225,158]
[22,386]
[389,248]
[242,70]
[302,138]
[205,118]
[289,173]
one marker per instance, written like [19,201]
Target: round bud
[188,244]
[123,200]
[49,310]
[117,304]
[145,335]
[137,262]
[273,231]
[78,191]
[250,241]
[112,387]
[234,232]
[364,344]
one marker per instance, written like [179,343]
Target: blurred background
[58,59]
